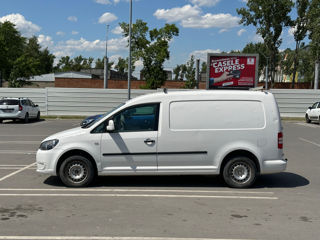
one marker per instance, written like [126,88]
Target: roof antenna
[165,90]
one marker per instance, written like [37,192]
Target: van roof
[201,94]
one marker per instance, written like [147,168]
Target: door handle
[149,141]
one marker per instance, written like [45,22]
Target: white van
[236,134]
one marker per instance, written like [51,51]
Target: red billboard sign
[232,70]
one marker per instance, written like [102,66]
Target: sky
[74,27]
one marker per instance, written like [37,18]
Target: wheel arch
[237,153]
[76,152]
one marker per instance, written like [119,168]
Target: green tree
[21,58]
[33,50]
[121,66]
[314,28]
[24,68]
[78,63]
[203,67]
[190,74]
[176,72]
[258,48]
[46,60]
[99,64]
[153,48]
[183,71]
[11,47]
[306,65]
[300,25]
[64,64]
[269,17]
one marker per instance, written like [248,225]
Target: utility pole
[267,77]
[316,74]
[267,67]
[197,73]
[129,62]
[105,82]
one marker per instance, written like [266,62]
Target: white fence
[73,101]
[87,101]
[295,102]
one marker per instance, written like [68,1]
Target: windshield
[107,113]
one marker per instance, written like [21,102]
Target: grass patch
[63,117]
[300,119]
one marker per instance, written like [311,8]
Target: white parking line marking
[308,141]
[20,142]
[107,238]
[15,168]
[12,135]
[308,125]
[23,152]
[12,165]
[16,172]
[130,190]
[131,195]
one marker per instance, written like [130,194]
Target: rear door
[33,109]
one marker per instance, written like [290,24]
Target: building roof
[42,78]
[72,75]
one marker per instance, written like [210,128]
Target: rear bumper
[9,116]
[274,166]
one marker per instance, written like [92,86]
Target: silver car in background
[18,109]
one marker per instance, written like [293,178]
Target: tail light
[20,108]
[280,140]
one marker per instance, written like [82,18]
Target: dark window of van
[138,118]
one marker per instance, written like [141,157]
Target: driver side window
[137,118]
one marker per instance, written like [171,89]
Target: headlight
[48,145]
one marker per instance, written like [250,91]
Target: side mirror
[110,126]
[36,105]
[310,108]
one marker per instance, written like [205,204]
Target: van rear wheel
[239,172]
[76,171]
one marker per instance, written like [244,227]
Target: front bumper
[274,166]
[46,161]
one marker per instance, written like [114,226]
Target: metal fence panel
[37,95]
[295,102]
[83,101]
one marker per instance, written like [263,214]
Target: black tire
[38,116]
[76,171]
[239,172]
[307,119]
[1,120]
[26,118]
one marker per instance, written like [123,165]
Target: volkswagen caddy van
[236,134]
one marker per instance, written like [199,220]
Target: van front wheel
[76,171]
[239,172]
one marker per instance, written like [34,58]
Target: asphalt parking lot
[35,206]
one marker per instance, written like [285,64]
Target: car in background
[18,109]
[90,119]
[313,113]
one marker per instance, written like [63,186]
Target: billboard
[239,71]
